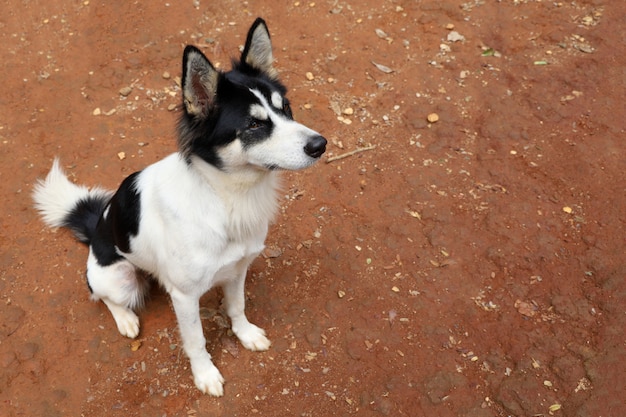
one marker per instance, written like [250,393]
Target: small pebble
[310,76]
[432,118]
[97,111]
[166,75]
[455,36]
[125,91]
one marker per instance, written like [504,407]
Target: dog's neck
[249,193]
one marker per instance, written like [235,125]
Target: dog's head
[242,117]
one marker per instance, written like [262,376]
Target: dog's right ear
[199,83]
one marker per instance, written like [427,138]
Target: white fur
[55,196]
[277,100]
[203,228]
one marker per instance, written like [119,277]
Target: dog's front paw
[209,380]
[253,337]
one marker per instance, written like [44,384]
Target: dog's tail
[62,203]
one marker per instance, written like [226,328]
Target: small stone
[455,36]
[309,76]
[450,26]
[432,118]
[97,111]
[272,252]
[567,209]
[166,75]
[125,91]
[341,294]
[121,155]
[348,111]
[171,107]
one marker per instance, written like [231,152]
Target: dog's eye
[287,109]
[255,124]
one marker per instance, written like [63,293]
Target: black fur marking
[121,223]
[88,284]
[83,219]
[228,113]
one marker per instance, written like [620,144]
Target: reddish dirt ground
[472,266]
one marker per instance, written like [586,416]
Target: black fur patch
[120,224]
[230,118]
[226,117]
[84,217]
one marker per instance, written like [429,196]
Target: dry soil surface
[469,266]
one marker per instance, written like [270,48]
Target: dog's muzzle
[315,147]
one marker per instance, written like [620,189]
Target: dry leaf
[381,34]
[383,68]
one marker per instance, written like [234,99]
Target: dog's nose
[315,147]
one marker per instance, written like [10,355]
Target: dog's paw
[209,380]
[127,323]
[129,327]
[253,337]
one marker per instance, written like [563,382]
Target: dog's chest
[235,258]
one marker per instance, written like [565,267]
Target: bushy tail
[62,203]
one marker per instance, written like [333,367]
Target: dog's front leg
[205,375]
[252,337]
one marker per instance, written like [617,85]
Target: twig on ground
[347,154]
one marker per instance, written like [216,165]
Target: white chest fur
[198,225]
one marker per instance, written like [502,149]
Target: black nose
[315,147]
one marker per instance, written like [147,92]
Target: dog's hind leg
[118,286]
[252,337]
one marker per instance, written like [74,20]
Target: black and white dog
[197,218]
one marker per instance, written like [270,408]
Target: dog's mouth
[273,167]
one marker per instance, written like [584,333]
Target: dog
[199,217]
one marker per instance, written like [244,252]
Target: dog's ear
[199,82]
[258,50]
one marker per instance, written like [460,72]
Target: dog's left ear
[258,50]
